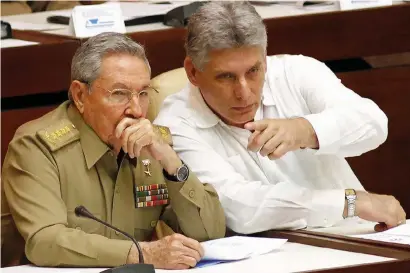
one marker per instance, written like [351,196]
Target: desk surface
[277,10]
[266,11]
[281,261]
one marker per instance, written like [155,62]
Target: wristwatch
[181,174]
[350,195]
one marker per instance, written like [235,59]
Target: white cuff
[327,208]
[327,132]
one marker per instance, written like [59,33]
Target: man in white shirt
[271,133]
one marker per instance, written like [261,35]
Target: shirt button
[110,153]
[117,190]
[117,233]
[191,193]
[79,228]
[153,224]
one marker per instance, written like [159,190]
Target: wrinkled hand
[384,209]
[275,137]
[136,134]
[173,252]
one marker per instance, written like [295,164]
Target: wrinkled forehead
[234,59]
[124,71]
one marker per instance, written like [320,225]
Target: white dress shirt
[304,188]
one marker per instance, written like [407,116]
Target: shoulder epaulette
[164,133]
[59,134]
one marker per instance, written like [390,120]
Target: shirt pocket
[146,217]
[145,220]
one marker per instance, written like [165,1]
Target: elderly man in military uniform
[99,150]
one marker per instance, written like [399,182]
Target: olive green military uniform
[57,162]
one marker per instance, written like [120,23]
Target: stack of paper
[237,248]
[399,235]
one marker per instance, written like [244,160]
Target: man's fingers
[189,261]
[136,142]
[401,216]
[262,138]
[193,253]
[126,134]
[271,145]
[251,139]
[192,244]
[122,125]
[259,125]
[280,151]
[134,138]
[391,222]
[180,267]
[130,135]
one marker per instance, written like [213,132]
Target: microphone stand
[81,211]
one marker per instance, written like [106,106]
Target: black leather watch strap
[181,175]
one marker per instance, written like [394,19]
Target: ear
[191,71]
[79,91]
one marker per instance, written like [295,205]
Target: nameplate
[90,20]
[362,4]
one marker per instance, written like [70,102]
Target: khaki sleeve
[32,187]
[197,207]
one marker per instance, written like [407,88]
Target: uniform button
[111,153]
[117,233]
[117,191]
[191,193]
[79,228]
[153,224]
[73,125]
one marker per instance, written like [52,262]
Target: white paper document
[237,248]
[399,235]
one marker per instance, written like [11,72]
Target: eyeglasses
[123,96]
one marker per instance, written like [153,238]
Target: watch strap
[174,177]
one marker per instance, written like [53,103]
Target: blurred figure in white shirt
[271,133]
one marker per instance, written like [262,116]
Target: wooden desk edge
[399,252]
[345,243]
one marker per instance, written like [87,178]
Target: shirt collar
[202,114]
[204,117]
[93,147]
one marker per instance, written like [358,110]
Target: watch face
[183,173]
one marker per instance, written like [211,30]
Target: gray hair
[223,25]
[87,60]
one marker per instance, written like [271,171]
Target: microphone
[81,211]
